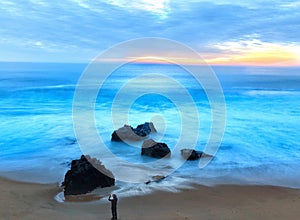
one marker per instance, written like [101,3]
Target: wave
[48,87]
[256,92]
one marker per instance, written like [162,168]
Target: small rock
[156,178]
[191,154]
[202,155]
[155,149]
[133,134]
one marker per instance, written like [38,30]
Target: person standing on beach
[113,199]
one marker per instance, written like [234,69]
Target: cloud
[293,4]
[80,29]
[159,7]
[226,22]
[255,52]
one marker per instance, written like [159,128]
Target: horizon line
[161,63]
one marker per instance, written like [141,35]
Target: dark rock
[125,133]
[83,177]
[156,178]
[190,154]
[144,129]
[115,137]
[154,149]
[134,134]
[202,155]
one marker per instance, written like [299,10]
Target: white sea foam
[262,132]
[272,93]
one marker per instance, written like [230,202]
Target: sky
[227,32]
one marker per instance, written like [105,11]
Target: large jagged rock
[155,149]
[134,134]
[83,177]
[190,154]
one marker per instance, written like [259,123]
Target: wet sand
[36,201]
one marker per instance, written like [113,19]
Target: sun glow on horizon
[248,53]
[257,53]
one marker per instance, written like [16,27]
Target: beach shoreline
[37,201]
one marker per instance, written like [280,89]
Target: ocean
[260,144]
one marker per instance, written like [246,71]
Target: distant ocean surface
[261,144]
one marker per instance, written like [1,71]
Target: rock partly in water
[202,154]
[134,134]
[125,133]
[83,177]
[156,178]
[144,129]
[191,154]
[155,149]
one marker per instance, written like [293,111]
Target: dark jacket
[113,199]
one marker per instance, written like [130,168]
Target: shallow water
[260,144]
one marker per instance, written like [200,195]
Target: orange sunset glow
[277,56]
[253,53]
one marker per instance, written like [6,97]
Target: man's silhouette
[113,199]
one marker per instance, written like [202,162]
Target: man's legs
[114,212]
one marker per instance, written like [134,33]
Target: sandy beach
[36,201]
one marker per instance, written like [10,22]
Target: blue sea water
[260,144]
